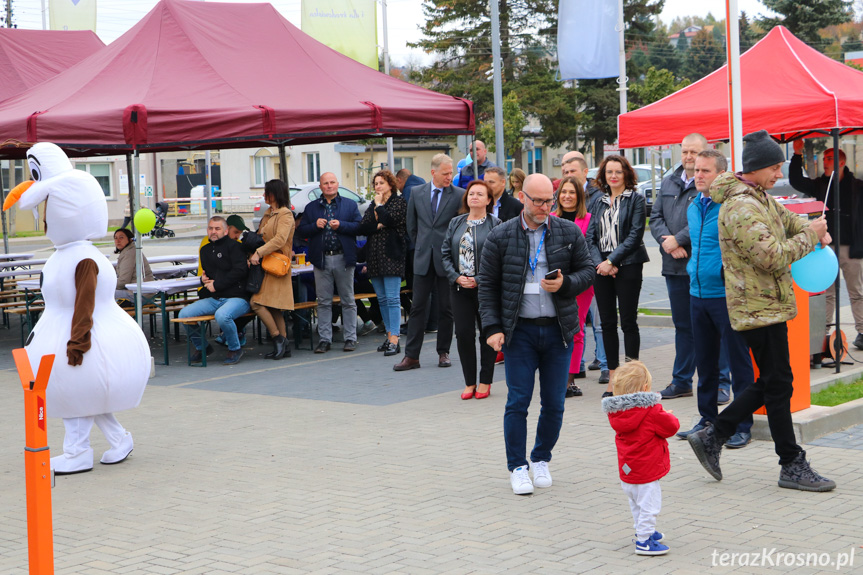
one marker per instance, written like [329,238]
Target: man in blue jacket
[669,226]
[331,223]
[708,307]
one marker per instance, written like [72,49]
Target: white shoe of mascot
[102,359]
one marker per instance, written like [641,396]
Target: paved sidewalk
[284,467]
[337,464]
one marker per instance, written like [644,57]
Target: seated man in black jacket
[224,293]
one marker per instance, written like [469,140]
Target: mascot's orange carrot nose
[16,194]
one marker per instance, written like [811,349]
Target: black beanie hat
[760,151]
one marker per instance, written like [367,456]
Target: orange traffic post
[37,463]
[798,350]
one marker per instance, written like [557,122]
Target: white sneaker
[119,453]
[541,474]
[520,481]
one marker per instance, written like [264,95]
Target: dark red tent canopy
[203,75]
[29,57]
[787,88]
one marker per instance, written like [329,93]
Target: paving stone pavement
[337,464]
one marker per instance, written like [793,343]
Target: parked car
[302,195]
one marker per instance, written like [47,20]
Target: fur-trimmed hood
[627,412]
[623,402]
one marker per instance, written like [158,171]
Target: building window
[531,169]
[11,178]
[401,163]
[102,173]
[260,169]
[313,167]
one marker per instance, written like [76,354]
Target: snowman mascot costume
[102,358]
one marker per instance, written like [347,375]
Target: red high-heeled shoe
[480,395]
[468,394]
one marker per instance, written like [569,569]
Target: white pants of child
[645,501]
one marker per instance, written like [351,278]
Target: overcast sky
[115,17]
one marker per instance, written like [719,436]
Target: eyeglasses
[539,203]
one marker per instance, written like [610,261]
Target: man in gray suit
[430,209]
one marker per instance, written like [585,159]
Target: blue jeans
[530,348]
[226,311]
[599,352]
[714,331]
[387,289]
[684,349]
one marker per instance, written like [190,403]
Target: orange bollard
[798,350]
[37,463]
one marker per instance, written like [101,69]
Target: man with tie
[430,210]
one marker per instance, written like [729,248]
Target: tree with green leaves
[804,18]
[513,124]
[458,32]
[749,35]
[656,85]
[704,56]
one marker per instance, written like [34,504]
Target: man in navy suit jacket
[331,223]
[430,210]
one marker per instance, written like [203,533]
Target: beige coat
[277,229]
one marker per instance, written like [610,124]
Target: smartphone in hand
[552,275]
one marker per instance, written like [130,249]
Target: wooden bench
[202,321]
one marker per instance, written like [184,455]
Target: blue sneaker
[220,339]
[673,392]
[685,434]
[657,536]
[723,397]
[650,547]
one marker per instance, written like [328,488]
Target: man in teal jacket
[708,307]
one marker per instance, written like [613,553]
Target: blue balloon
[817,271]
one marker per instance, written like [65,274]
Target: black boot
[707,446]
[280,348]
[799,475]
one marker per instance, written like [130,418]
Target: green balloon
[145,219]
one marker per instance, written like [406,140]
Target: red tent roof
[29,57]
[219,75]
[787,88]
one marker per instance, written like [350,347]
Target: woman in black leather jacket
[461,253]
[615,237]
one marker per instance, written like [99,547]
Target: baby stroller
[159,230]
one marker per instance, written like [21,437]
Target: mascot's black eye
[34,173]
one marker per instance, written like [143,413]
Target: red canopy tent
[788,89]
[29,57]
[206,75]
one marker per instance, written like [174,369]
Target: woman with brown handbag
[276,294]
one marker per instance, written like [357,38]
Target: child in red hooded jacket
[642,427]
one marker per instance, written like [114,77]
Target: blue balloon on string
[817,271]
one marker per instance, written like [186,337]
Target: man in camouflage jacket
[759,239]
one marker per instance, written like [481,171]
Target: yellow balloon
[145,219]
